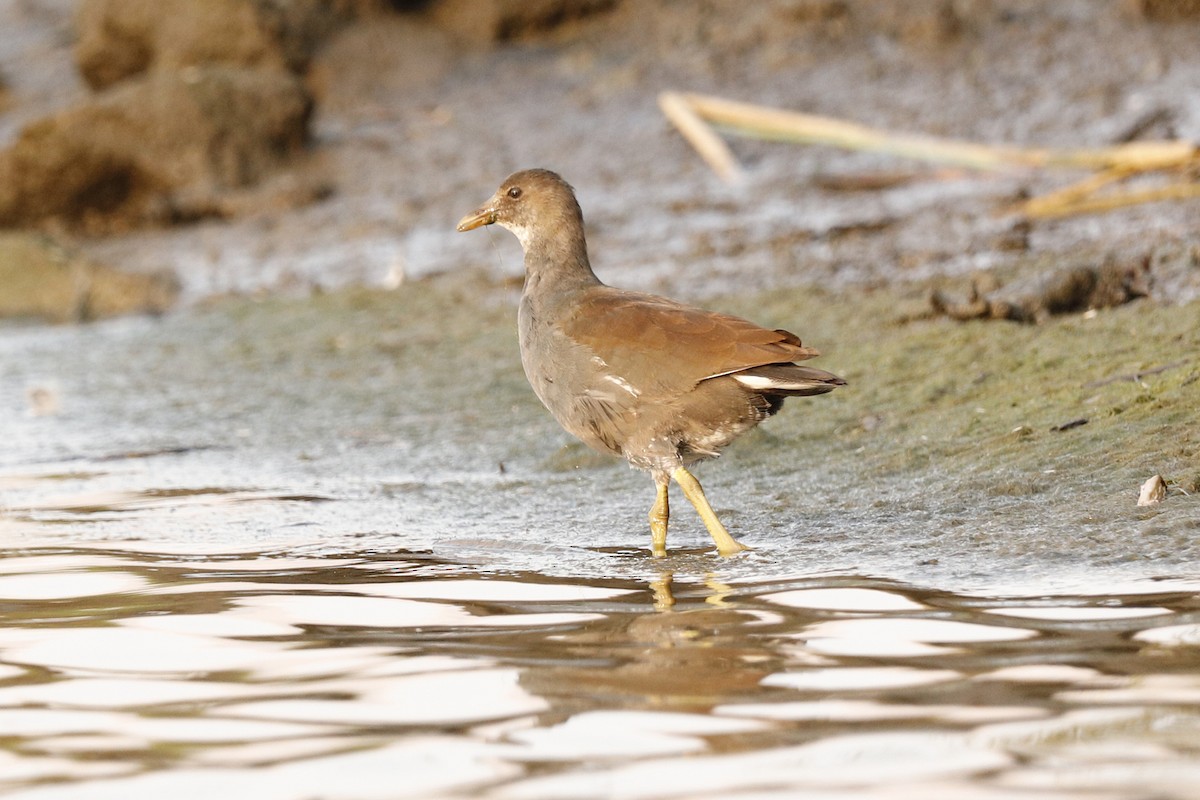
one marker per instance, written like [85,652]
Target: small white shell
[1153,491]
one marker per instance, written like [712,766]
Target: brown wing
[655,341]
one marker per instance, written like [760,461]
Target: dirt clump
[1167,10]
[122,38]
[918,22]
[500,20]
[129,154]
[45,281]
[194,100]
[1064,291]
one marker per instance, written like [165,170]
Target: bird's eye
[514,192]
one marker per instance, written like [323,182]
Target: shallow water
[335,672]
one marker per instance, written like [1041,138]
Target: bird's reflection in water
[720,591]
[664,599]
[691,652]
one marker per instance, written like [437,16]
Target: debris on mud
[1065,291]
[1154,490]
[43,401]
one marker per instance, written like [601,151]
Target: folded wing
[673,347]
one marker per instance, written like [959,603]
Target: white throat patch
[520,231]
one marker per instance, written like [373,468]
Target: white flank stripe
[758,382]
[624,384]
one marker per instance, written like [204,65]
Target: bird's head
[535,204]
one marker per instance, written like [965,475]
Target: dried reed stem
[695,114]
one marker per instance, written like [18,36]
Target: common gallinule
[633,374]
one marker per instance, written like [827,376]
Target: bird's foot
[732,547]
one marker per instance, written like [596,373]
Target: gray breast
[582,392]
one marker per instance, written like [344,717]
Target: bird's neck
[558,261]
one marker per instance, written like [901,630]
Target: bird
[631,374]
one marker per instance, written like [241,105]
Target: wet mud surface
[407,414]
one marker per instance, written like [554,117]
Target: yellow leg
[726,544]
[660,512]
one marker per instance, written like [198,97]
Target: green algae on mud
[981,398]
[961,420]
[950,416]
[43,280]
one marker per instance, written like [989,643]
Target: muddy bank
[408,407]
[407,415]
[414,123]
